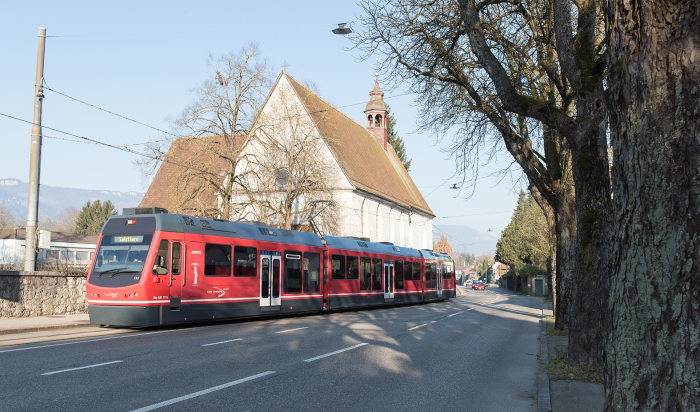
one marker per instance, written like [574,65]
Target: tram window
[245,261]
[292,272]
[353,267]
[160,266]
[398,274]
[433,275]
[312,273]
[338,267]
[265,278]
[407,271]
[217,260]
[377,268]
[416,271]
[365,274]
[176,258]
[428,275]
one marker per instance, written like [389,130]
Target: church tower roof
[376,98]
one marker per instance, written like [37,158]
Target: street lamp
[342,29]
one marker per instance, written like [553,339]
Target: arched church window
[378,121]
[369,121]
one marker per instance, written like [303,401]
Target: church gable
[367,165]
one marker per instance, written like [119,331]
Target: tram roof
[169,222]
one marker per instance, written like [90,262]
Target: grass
[559,369]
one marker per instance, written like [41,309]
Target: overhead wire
[46,87]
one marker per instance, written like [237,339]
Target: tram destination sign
[127,239]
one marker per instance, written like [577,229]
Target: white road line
[91,340]
[454,314]
[433,321]
[289,330]
[419,326]
[200,393]
[333,353]
[219,343]
[82,367]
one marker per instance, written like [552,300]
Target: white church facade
[376,197]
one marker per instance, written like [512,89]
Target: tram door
[270,273]
[438,275]
[177,265]
[388,280]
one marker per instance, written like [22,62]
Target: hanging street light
[342,29]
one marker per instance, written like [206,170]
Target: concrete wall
[41,294]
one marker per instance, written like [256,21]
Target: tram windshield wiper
[124,272]
[110,271]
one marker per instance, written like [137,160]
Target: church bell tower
[376,114]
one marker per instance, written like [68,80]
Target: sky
[140,59]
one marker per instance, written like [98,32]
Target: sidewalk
[41,323]
[564,396]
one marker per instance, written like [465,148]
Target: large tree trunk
[653,351]
[548,212]
[565,213]
[589,298]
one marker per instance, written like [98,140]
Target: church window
[378,121]
[369,121]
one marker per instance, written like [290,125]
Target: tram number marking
[161,297]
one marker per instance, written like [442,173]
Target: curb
[544,402]
[45,328]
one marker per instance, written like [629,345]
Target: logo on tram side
[111,295]
[222,290]
[194,268]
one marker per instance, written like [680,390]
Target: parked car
[478,286]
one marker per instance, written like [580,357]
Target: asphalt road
[474,353]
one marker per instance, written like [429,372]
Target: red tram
[154,269]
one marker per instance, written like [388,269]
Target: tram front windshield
[122,253]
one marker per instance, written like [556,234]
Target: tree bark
[565,213]
[589,296]
[653,349]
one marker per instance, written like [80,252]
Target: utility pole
[35,160]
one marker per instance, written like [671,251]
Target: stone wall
[41,294]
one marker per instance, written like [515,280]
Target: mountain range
[464,239]
[52,200]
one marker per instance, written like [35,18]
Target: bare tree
[290,173]
[64,223]
[7,219]
[507,74]
[214,127]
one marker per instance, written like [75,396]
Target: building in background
[64,249]
[374,194]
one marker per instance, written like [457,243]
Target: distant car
[468,283]
[478,286]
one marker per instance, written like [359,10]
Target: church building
[375,195]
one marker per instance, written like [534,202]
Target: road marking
[454,314]
[289,330]
[82,367]
[200,393]
[419,326]
[334,353]
[219,343]
[433,321]
[92,340]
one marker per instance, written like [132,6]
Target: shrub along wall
[41,293]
